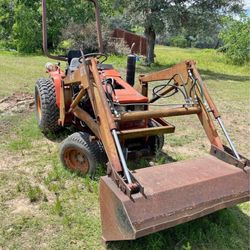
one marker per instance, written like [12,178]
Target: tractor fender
[57,79]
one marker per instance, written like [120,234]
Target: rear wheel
[79,154]
[47,112]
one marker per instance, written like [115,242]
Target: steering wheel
[97,55]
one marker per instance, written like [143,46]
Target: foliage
[6,22]
[76,36]
[179,41]
[175,21]
[196,18]
[81,37]
[27,29]
[236,38]
[20,21]
[118,47]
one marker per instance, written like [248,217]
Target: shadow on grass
[59,136]
[143,69]
[137,162]
[225,229]
[210,75]
[219,76]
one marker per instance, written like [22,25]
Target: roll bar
[45,36]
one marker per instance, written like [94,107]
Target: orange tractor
[115,119]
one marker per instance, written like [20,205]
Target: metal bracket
[128,189]
[228,156]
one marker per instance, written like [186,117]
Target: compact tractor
[114,118]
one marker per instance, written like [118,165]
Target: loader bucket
[175,193]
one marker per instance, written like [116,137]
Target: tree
[27,29]
[235,36]
[158,15]
[6,21]
[20,21]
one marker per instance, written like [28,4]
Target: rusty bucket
[175,193]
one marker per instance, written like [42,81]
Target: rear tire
[79,154]
[47,112]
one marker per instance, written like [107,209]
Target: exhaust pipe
[131,67]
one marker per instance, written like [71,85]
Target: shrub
[179,41]
[118,47]
[235,36]
[76,36]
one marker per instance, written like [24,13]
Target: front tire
[79,154]
[47,112]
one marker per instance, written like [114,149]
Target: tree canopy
[188,18]
[236,37]
[176,22]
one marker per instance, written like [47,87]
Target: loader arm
[181,74]
[102,125]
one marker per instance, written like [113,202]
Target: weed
[90,185]
[187,246]
[58,208]
[34,193]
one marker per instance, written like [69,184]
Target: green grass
[19,73]
[44,206]
[26,135]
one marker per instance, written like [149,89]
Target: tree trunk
[150,35]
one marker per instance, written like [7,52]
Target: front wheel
[79,154]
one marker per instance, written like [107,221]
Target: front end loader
[114,119]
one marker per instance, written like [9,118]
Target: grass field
[43,206]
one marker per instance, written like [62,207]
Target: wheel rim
[38,108]
[76,160]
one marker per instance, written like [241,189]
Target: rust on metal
[137,115]
[191,65]
[140,42]
[137,133]
[76,160]
[175,193]
[84,116]
[178,72]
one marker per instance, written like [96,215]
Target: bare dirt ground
[17,103]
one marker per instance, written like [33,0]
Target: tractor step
[175,193]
